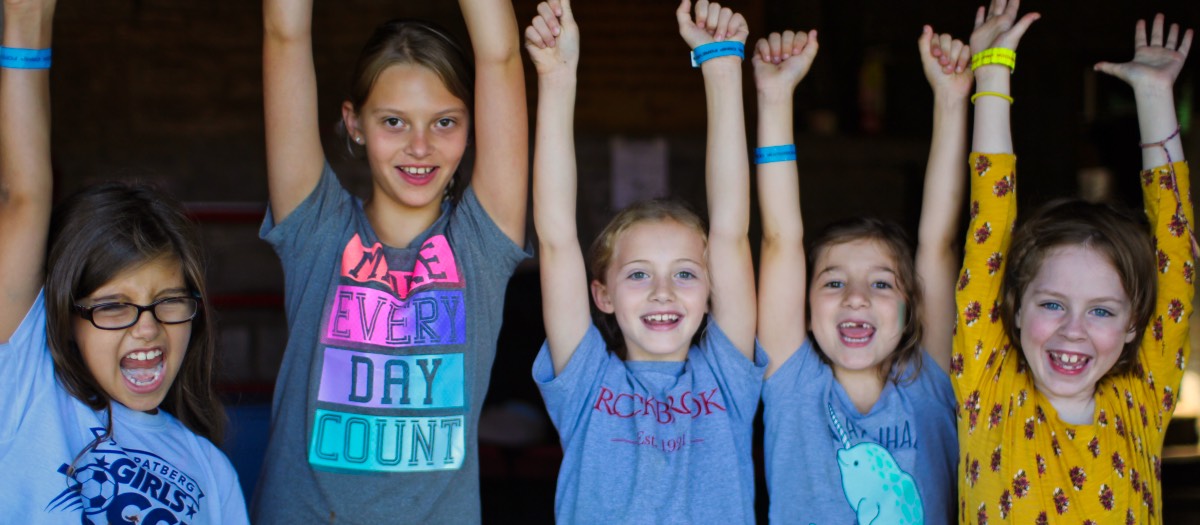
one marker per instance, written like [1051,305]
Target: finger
[1156,31]
[1018,30]
[946,46]
[543,29]
[980,16]
[1110,68]
[810,46]
[786,44]
[738,30]
[763,50]
[1139,34]
[1172,37]
[722,32]
[964,58]
[997,8]
[683,13]
[1186,44]
[534,38]
[923,42]
[776,41]
[564,10]
[701,13]
[798,43]
[549,17]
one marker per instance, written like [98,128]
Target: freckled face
[136,366]
[415,133]
[657,286]
[1074,319]
[855,305]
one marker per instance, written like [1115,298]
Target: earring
[358,139]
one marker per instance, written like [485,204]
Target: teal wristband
[784,153]
[706,52]
[19,58]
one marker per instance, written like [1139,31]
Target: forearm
[492,25]
[1156,122]
[778,182]
[944,173]
[727,169]
[993,131]
[554,165]
[287,21]
[25,108]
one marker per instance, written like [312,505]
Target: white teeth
[662,318]
[1069,361]
[131,376]
[412,170]
[851,324]
[144,356]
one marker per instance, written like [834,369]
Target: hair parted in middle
[904,363]
[1118,236]
[601,252]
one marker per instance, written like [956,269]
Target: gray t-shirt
[389,355]
[654,442]
[893,465]
[152,470]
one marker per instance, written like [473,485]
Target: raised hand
[1156,63]
[552,39]
[946,62]
[998,26]
[782,60]
[712,23]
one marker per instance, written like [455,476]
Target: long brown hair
[97,233]
[1116,235]
[904,363]
[601,252]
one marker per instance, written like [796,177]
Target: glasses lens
[114,315]
[175,310]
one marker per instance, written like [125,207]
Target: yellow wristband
[996,55]
[991,94]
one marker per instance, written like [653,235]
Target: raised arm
[780,62]
[996,26]
[294,154]
[501,173]
[553,43]
[25,177]
[946,63]
[726,171]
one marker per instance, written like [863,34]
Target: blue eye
[685,274]
[882,285]
[835,284]
[1052,306]
[638,275]
[1102,312]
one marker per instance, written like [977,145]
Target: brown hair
[1118,236]
[97,233]
[601,252]
[412,42]
[904,363]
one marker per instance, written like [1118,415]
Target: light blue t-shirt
[152,470]
[654,442]
[827,463]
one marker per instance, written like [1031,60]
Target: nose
[663,290]
[855,297]
[147,326]
[418,145]
[1072,327]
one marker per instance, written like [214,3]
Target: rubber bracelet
[991,94]
[19,58]
[996,55]
[704,53]
[784,153]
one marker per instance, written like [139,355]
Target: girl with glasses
[108,415]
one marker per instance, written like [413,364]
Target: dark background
[170,90]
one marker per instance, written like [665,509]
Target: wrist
[775,97]
[28,27]
[559,77]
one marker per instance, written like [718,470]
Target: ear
[1130,334]
[601,298]
[350,120]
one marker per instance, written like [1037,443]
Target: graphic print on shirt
[374,374]
[665,412]
[114,485]
[878,490]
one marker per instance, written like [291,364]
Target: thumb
[810,47]
[1018,29]
[924,40]
[1110,68]
[683,13]
[566,9]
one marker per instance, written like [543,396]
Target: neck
[398,225]
[1078,410]
[863,386]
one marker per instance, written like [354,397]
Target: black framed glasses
[116,316]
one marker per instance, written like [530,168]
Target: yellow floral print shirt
[1018,463]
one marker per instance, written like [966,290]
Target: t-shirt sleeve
[979,334]
[28,368]
[567,394]
[739,379]
[792,376]
[302,229]
[1165,345]
[502,254]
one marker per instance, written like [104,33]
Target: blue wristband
[784,153]
[18,58]
[706,52]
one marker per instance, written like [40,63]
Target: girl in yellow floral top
[1064,394]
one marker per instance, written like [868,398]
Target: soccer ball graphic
[96,488]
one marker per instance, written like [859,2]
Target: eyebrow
[873,269]
[118,297]
[394,111]
[1055,294]
[676,261]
